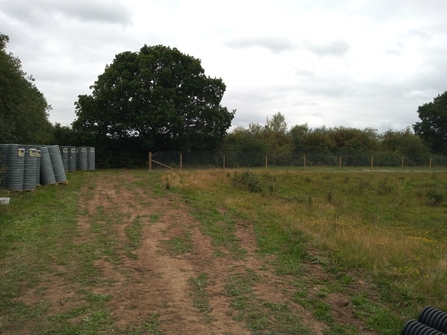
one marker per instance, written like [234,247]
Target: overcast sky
[359,63]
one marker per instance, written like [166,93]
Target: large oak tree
[157,99]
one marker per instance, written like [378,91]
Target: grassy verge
[36,238]
[386,228]
[42,246]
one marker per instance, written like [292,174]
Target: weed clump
[254,182]
[435,197]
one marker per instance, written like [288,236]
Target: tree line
[281,144]
[159,99]
[23,108]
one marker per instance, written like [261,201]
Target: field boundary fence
[194,160]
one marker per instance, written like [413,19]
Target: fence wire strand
[191,160]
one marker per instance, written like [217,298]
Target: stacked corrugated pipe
[431,321]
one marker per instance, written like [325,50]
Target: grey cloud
[420,34]
[330,87]
[415,94]
[383,11]
[392,52]
[103,11]
[432,75]
[403,39]
[274,44]
[247,94]
[114,11]
[334,48]
[305,103]
[304,73]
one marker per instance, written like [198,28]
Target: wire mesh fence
[191,160]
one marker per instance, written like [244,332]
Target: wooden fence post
[224,162]
[339,163]
[372,162]
[429,167]
[150,161]
[266,161]
[402,165]
[181,161]
[304,161]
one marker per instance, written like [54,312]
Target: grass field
[372,243]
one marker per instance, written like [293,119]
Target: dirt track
[157,280]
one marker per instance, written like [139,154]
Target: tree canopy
[158,99]
[23,108]
[433,125]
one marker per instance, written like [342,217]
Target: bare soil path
[163,275]
[158,280]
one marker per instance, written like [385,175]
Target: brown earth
[158,281]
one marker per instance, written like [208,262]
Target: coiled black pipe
[414,327]
[434,318]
